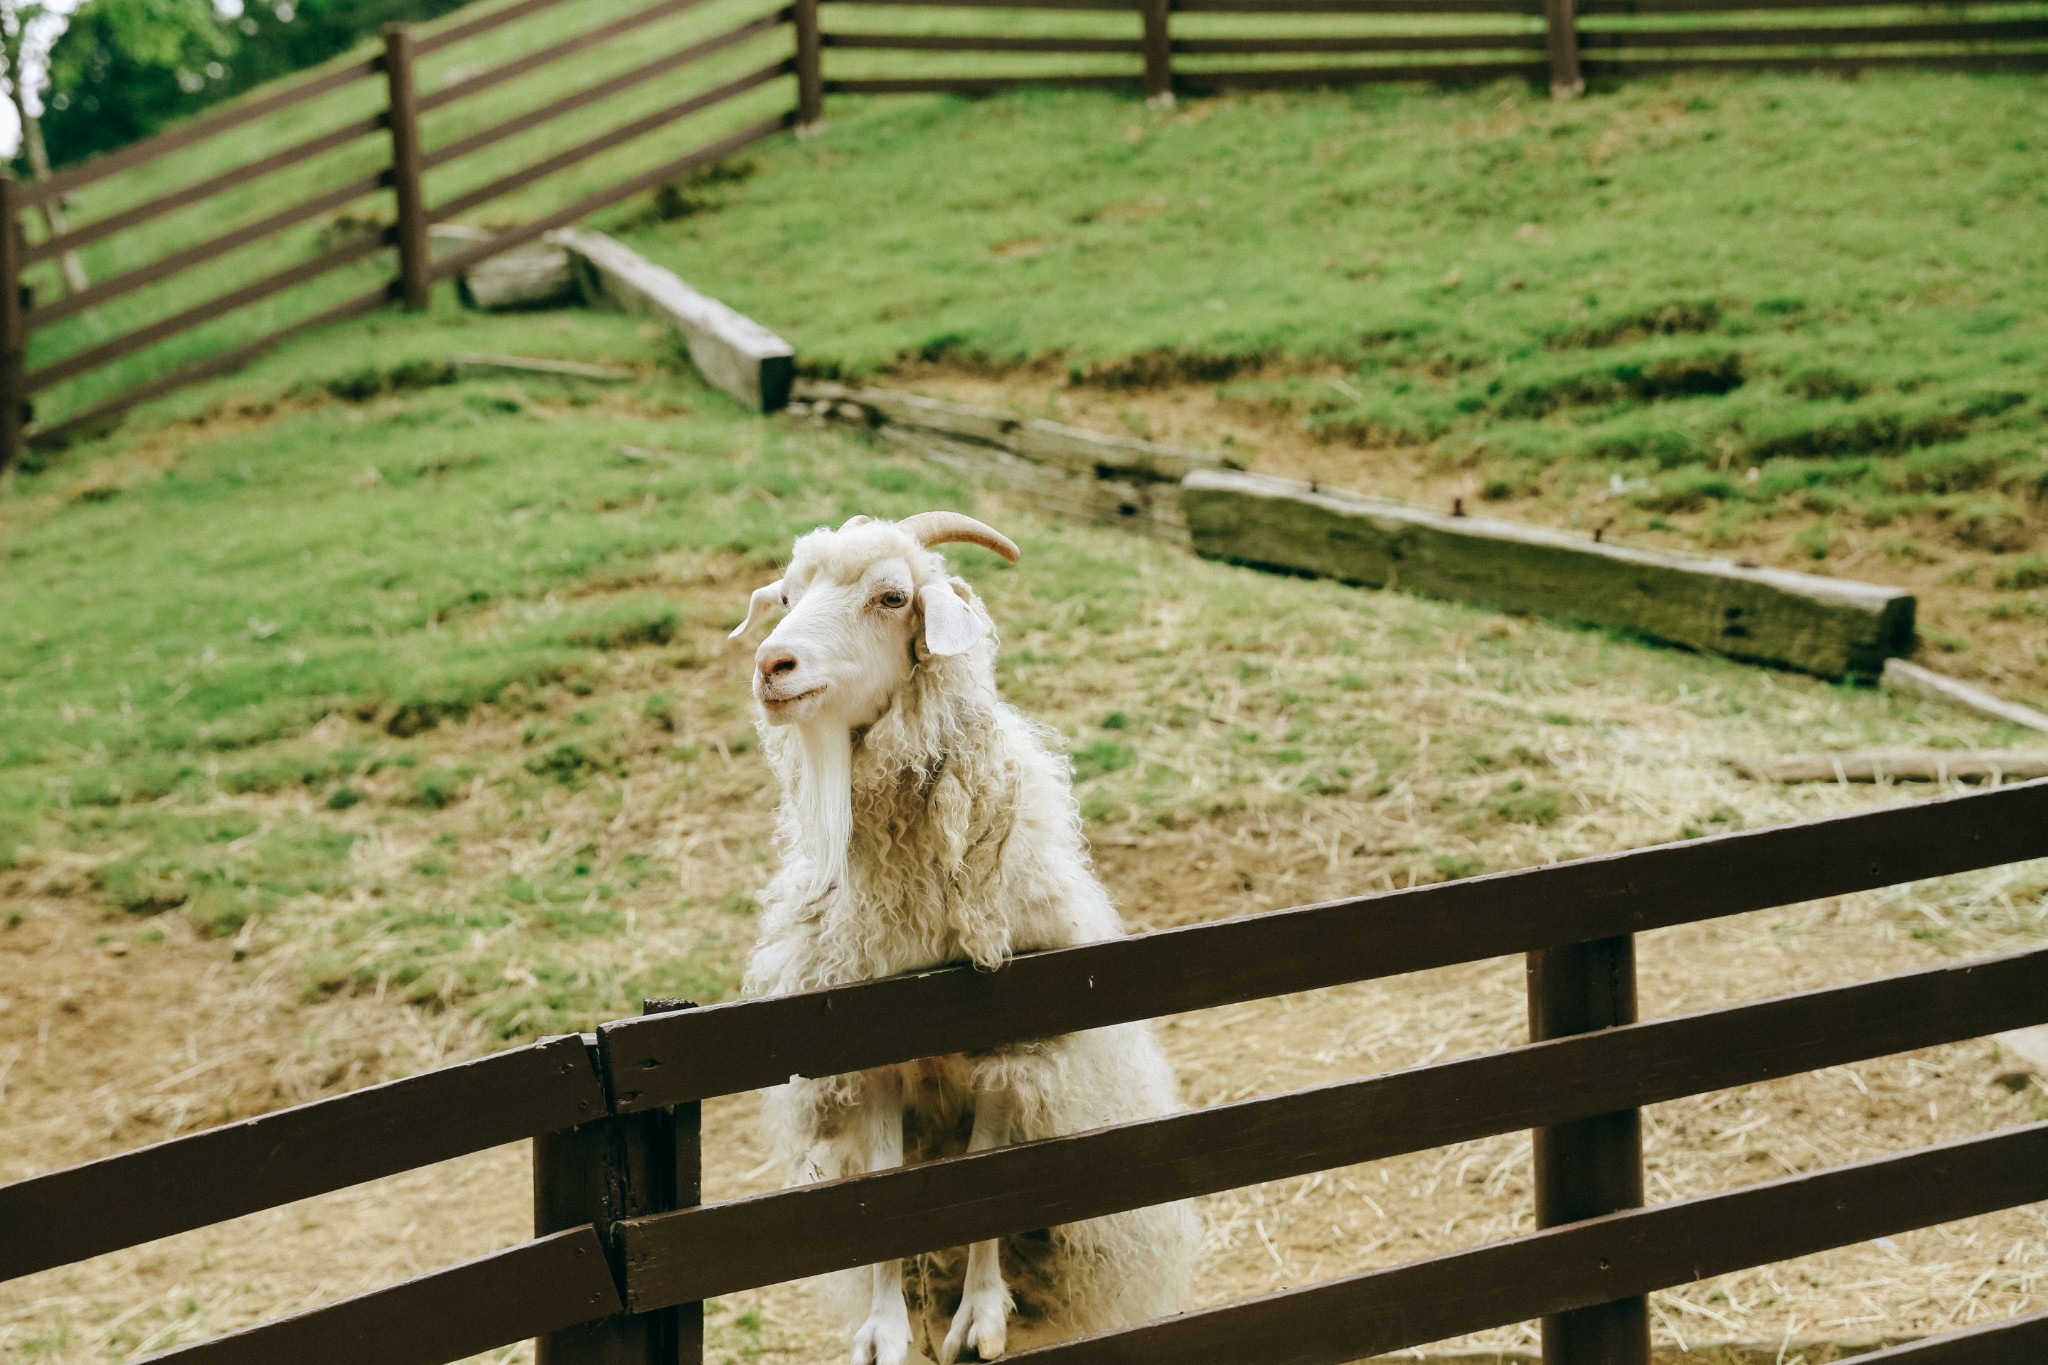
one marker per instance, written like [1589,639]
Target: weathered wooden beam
[1832,627]
[540,275]
[733,351]
[526,364]
[1908,677]
[1902,765]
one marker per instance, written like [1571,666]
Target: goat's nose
[775,662]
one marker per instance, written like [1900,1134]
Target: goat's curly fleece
[966,846]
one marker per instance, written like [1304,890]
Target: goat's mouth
[774,704]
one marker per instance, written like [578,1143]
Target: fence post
[810,70]
[1158,53]
[611,1169]
[1591,1166]
[1561,21]
[13,334]
[415,266]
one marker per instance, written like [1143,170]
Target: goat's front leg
[984,1314]
[884,1339]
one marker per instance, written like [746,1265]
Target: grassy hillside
[342,656]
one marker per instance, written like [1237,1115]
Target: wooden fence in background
[1161,48]
[624,1253]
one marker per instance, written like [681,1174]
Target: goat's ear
[950,625]
[759,605]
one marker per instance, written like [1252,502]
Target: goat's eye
[893,599]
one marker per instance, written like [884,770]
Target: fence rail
[1171,48]
[624,1253]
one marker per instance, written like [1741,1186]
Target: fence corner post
[1593,1166]
[1561,24]
[415,266]
[602,1172]
[13,333]
[1158,53]
[810,70]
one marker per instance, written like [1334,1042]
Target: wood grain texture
[259,1163]
[1831,627]
[1997,1343]
[526,1291]
[722,1049]
[1590,1262]
[732,351]
[740,1244]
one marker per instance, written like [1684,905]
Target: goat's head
[866,602]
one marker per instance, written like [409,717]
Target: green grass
[1743,295]
[425,686]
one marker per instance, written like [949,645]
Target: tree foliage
[125,68]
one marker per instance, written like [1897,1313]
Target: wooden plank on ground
[1587,1263]
[1832,627]
[237,1168]
[745,1243]
[528,1290]
[1902,765]
[1911,677]
[722,1049]
[734,352]
[538,275]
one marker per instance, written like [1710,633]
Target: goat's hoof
[882,1341]
[982,1322]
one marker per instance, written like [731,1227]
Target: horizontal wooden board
[973,86]
[560,49]
[1977,61]
[329,1144]
[202,251]
[461,260]
[1360,7]
[463,28]
[1288,78]
[612,85]
[84,234]
[1596,1261]
[1666,7]
[722,1248]
[531,1289]
[1994,1343]
[1828,626]
[605,141]
[199,129]
[92,357]
[99,415]
[1801,36]
[950,42]
[721,1049]
[1901,765]
[1362,42]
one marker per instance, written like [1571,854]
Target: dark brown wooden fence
[1161,48]
[624,1254]
[417,267]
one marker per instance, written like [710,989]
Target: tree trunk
[39,168]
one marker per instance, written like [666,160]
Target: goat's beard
[824,802]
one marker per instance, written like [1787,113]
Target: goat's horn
[857,519]
[940,528]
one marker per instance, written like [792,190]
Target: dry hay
[114,1043]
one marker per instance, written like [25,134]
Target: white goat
[923,822]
